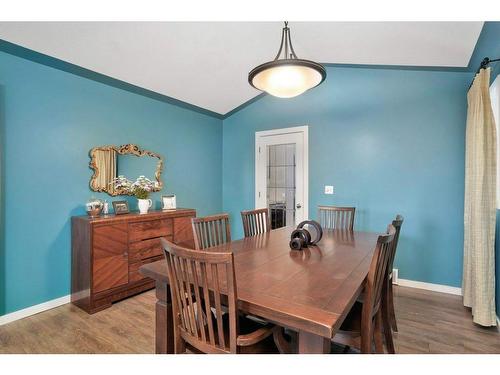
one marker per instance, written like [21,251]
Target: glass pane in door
[281,184]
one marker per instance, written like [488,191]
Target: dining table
[308,291]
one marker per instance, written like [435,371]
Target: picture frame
[120,207]
[168,202]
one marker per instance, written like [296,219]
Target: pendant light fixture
[287,76]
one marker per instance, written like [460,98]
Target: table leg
[310,343]
[164,330]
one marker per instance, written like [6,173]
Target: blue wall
[487,45]
[390,141]
[50,120]
[406,124]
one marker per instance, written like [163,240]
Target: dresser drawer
[150,229]
[133,270]
[145,249]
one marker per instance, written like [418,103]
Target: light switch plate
[328,189]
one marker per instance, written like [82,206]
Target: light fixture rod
[292,55]
[287,41]
[281,44]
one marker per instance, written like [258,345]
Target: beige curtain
[106,164]
[478,283]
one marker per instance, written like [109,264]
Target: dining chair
[332,217]
[363,325]
[200,282]
[211,231]
[388,313]
[256,221]
[397,223]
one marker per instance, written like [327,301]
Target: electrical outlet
[395,276]
[328,189]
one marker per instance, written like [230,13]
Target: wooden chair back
[374,285]
[199,281]
[397,223]
[256,221]
[331,217]
[211,231]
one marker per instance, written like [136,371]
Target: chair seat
[350,330]
[253,337]
[352,322]
[248,327]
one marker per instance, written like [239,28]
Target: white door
[281,174]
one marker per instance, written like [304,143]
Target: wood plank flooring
[428,323]
[432,322]
[126,327]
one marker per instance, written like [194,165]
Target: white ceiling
[207,63]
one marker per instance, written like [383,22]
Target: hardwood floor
[428,323]
[432,322]
[126,327]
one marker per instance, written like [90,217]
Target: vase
[94,207]
[144,205]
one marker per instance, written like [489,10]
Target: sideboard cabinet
[107,252]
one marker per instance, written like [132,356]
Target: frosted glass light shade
[287,78]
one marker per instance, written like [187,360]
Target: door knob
[298,205]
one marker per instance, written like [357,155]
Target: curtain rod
[484,64]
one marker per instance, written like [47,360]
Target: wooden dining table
[309,291]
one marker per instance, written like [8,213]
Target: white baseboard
[32,310]
[428,286]
[16,315]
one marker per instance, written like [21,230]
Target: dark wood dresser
[107,252]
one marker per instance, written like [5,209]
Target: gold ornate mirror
[109,162]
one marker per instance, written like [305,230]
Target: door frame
[304,130]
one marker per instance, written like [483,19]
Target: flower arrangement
[141,188]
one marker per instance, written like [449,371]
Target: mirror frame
[128,149]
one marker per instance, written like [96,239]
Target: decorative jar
[94,207]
